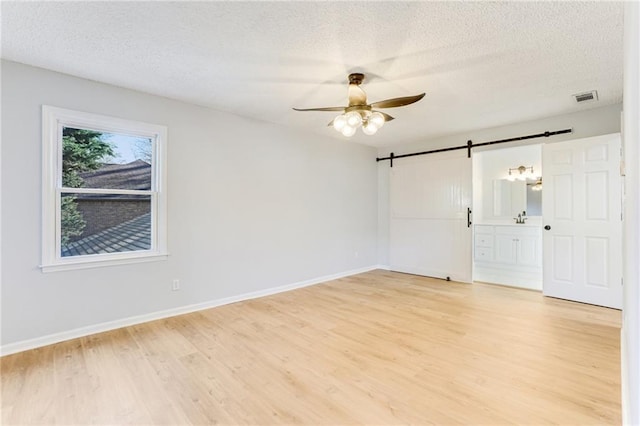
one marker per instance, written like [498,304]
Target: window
[104,198]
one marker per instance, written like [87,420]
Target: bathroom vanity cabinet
[509,255]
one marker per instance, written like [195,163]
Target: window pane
[104,223]
[106,160]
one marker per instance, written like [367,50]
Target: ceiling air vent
[591,96]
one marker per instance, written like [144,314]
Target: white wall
[252,206]
[593,122]
[630,344]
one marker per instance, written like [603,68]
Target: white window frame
[53,121]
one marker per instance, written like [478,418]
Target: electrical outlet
[175,286]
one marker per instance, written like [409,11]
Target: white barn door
[429,233]
[582,239]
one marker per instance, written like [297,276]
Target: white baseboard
[50,339]
[624,377]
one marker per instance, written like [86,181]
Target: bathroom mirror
[534,200]
[511,198]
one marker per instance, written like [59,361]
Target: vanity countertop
[534,224]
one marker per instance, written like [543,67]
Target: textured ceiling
[482,64]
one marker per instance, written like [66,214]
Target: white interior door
[429,197]
[581,208]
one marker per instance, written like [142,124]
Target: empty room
[310,213]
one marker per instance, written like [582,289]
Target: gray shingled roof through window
[133,235]
[133,175]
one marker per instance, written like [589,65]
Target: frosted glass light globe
[339,122]
[369,129]
[348,131]
[354,119]
[377,119]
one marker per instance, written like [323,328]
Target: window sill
[86,262]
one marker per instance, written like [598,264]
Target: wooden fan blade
[397,102]
[356,95]
[320,109]
[387,117]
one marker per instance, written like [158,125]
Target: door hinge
[622,281]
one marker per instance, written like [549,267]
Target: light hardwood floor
[378,348]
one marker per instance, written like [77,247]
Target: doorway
[508,216]
[572,247]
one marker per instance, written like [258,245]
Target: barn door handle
[547,227]
[468,217]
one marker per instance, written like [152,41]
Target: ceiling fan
[359,113]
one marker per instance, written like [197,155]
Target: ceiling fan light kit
[348,123]
[360,114]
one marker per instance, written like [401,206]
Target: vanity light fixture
[523,172]
[538,185]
